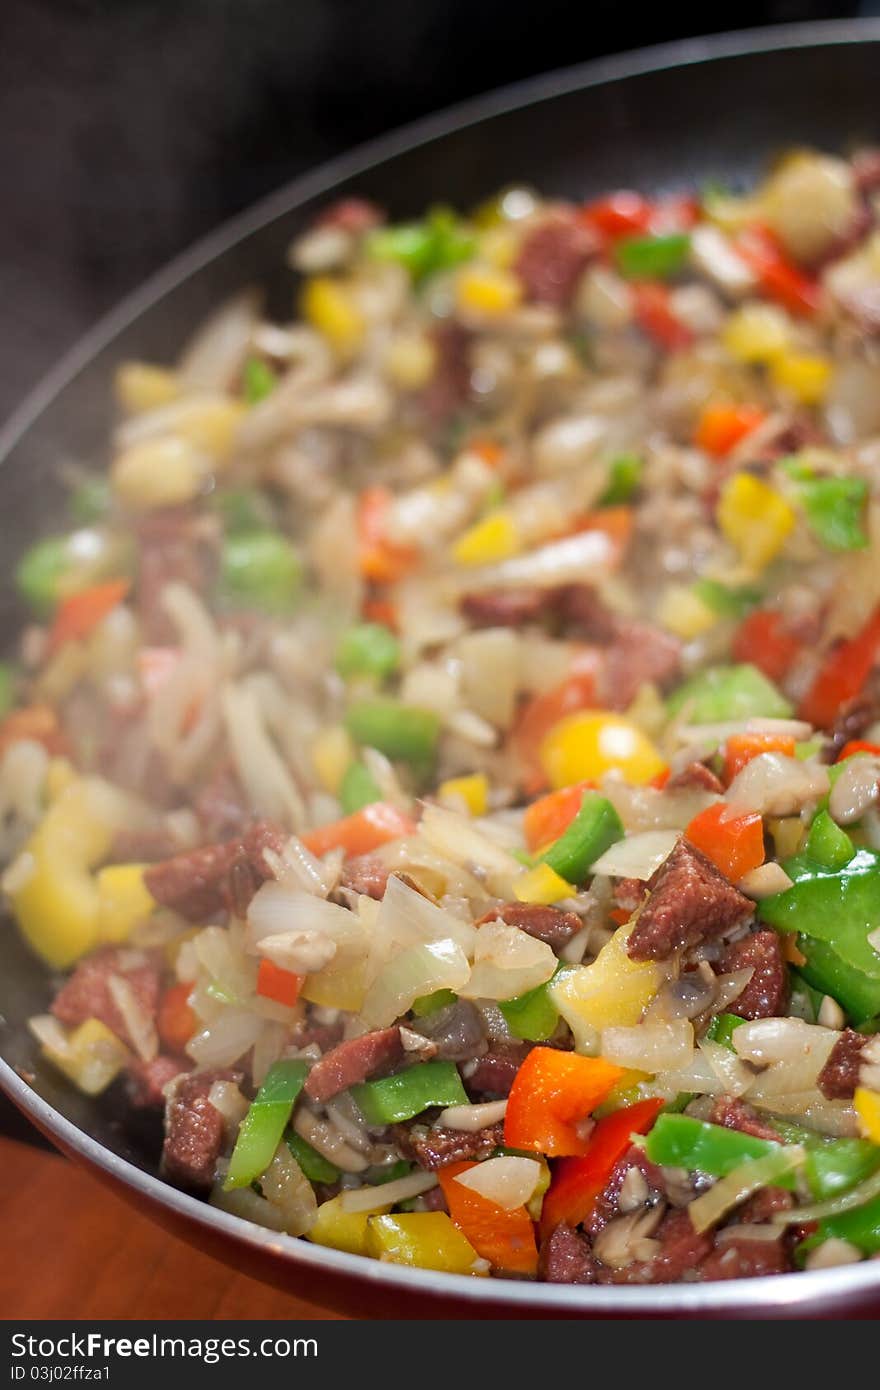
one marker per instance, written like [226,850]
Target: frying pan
[662,119]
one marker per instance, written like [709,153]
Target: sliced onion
[585,558]
[455,836]
[270,788]
[646,808]
[247,1205]
[708,1209]
[777,786]
[507,962]
[636,856]
[384,1196]
[418,970]
[727,1067]
[300,920]
[226,1097]
[819,1211]
[731,986]
[509,1181]
[288,1189]
[405,918]
[650,1047]
[766,1041]
[748,1231]
[470,1118]
[138,1021]
[490,673]
[215,354]
[834,1117]
[764,882]
[226,1039]
[296,867]
[855,790]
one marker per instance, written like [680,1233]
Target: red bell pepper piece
[578,1182]
[175,1021]
[381,560]
[620,214]
[741,748]
[780,278]
[842,675]
[79,615]
[551,1092]
[505,1238]
[366,830]
[763,640]
[721,426]
[858,745]
[734,841]
[273,982]
[655,317]
[538,716]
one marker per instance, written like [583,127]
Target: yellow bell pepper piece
[867,1107]
[499,246]
[330,306]
[626,1092]
[410,360]
[332,753]
[494,538]
[541,885]
[756,333]
[141,387]
[683,612]
[473,791]
[754,518]
[789,834]
[58,905]
[584,746]
[424,1240]
[59,775]
[123,900]
[340,1230]
[91,1057]
[804,376]
[487,291]
[337,987]
[612,992]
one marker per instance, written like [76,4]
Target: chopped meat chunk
[689,901]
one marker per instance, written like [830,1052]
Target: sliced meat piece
[249,868]
[566,1258]
[607,1205]
[194,883]
[495,1070]
[355,215]
[763,1205]
[146,1081]
[366,873]
[308,1033]
[353,1061]
[194,1131]
[435,1147]
[840,1075]
[449,387]
[435,1200]
[854,719]
[505,607]
[221,806]
[582,613]
[638,655]
[553,255]
[681,1251]
[689,901]
[745,1259]
[457,1031]
[548,924]
[695,775]
[173,546]
[86,994]
[767,992]
[733,1113]
[629,893]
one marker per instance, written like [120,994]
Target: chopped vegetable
[741,748]
[763,640]
[613,991]
[835,510]
[584,746]
[260,570]
[551,1093]
[533,1015]
[375,825]
[652,257]
[124,901]
[370,649]
[505,1238]
[358,789]
[430,1003]
[827,844]
[176,1021]
[755,519]
[331,307]
[472,791]
[842,675]
[721,427]
[541,714]
[264,1124]
[340,1229]
[487,542]
[656,318]
[393,1099]
[867,1108]
[805,376]
[258,380]
[679,1141]
[395,729]
[624,477]
[542,884]
[721,1029]
[280,985]
[40,572]
[728,601]
[578,1182]
[79,615]
[90,501]
[316,1167]
[596,826]
[425,1240]
[440,242]
[732,839]
[780,279]
[721,693]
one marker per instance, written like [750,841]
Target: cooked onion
[470,1118]
[650,1047]
[764,881]
[507,962]
[509,1181]
[386,1195]
[215,354]
[845,1201]
[418,970]
[636,856]
[777,786]
[455,836]
[855,790]
[708,1209]
[286,1186]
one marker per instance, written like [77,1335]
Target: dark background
[128,128]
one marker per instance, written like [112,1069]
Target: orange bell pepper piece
[741,748]
[721,426]
[763,640]
[841,677]
[733,841]
[366,830]
[380,559]
[615,522]
[381,610]
[542,712]
[505,1238]
[546,819]
[858,745]
[577,1182]
[175,1021]
[80,614]
[551,1093]
[39,723]
[273,982]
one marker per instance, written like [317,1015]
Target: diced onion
[413,972]
[386,1195]
[777,786]
[456,836]
[470,1118]
[727,1067]
[636,856]
[764,881]
[585,558]
[507,962]
[650,1047]
[509,1181]
[707,1209]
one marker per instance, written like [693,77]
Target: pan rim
[781,1295]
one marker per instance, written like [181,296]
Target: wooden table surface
[70,1249]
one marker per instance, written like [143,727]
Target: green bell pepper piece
[264,1124]
[260,569]
[7,687]
[721,1029]
[369,649]
[393,1099]
[861,1227]
[316,1167]
[827,844]
[397,730]
[258,380]
[595,828]
[679,1141]
[857,993]
[90,501]
[624,477]
[726,601]
[432,1003]
[40,571]
[358,789]
[805,1001]
[439,242]
[533,1016]
[839,907]
[834,507]
[652,257]
[839,1165]
[729,692]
